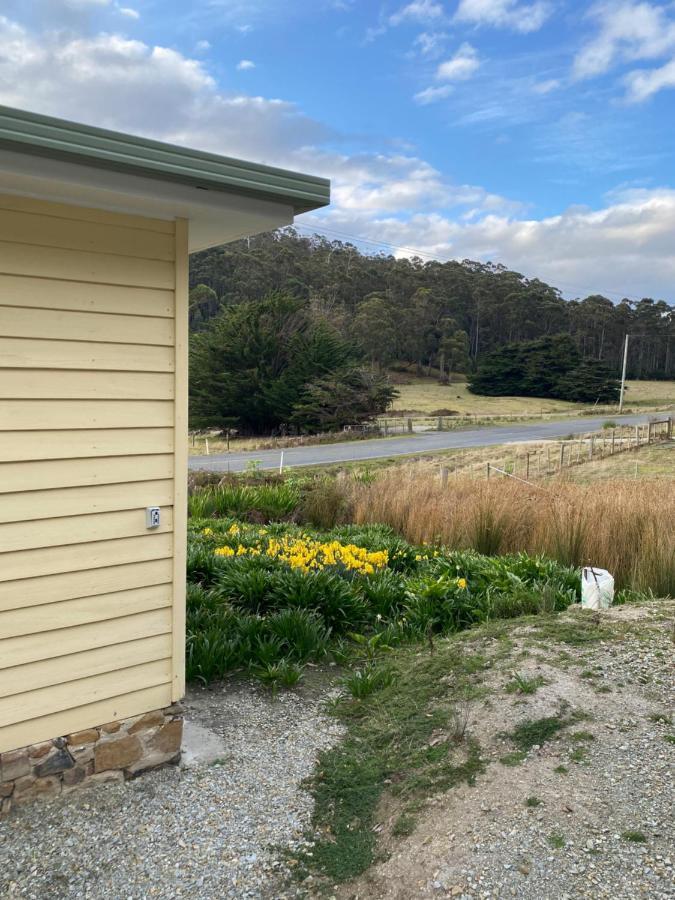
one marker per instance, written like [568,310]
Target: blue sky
[535,133]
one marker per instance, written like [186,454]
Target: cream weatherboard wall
[93,405]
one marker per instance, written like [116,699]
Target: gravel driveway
[211,830]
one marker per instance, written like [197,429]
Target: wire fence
[528,463]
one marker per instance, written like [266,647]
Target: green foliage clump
[271,363]
[547,367]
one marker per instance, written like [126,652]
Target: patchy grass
[523,684]
[562,770]
[535,732]
[634,837]
[533,802]
[661,718]
[515,758]
[399,743]
[557,840]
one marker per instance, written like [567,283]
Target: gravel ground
[213,830]
[486,842]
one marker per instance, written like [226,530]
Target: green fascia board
[71,142]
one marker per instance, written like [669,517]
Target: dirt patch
[586,813]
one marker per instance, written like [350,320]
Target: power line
[434,258]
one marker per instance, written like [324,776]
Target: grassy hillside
[425,395]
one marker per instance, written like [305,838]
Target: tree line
[438,316]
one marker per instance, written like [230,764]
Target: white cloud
[546,87]
[129,12]
[644,83]
[245,64]
[114,82]
[523,17]
[627,31]
[625,248]
[430,43]
[432,94]
[418,11]
[460,66]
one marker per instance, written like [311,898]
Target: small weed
[579,755]
[562,770]
[404,825]
[670,738]
[533,802]
[537,731]
[279,674]
[515,758]
[588,673]
[366,681]
[603,689]
[635,837]
[661,718]
[557,840]
[522,684]
[579,736]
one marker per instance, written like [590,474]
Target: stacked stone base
[114,751]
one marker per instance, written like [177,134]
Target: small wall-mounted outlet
[152,517]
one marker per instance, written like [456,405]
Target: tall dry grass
[627,527]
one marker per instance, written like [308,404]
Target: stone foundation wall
[114,751]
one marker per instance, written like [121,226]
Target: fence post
[562,456]
[527,464]
[548,458]
[590,447]
[488,471]
[649,433]
[637,435]
[410,426]
[207,446]
[439,426]
[444,476]
[611,451]
[386,428]
[670,427]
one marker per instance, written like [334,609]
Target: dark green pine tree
[257,363]
[590,382]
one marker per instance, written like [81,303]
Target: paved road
[378,448]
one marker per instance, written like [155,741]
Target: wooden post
[548,458]
[670,427]
[281,463]
[488,471]
[207,446]
[562,456]
[410,426]
[439,426]
[649,433]
[444,476]
[386,429]
[527,464]
[590,447]
[637,435]
[611,451]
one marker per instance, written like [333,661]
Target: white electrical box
[152,517]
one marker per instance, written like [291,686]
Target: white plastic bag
[597,588]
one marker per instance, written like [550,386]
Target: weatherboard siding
[93,390]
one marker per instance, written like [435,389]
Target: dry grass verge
[626,526]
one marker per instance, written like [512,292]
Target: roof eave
[71,142]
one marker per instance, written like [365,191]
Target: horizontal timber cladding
[88,387]
[35,475]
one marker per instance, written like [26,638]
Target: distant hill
[430,314]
